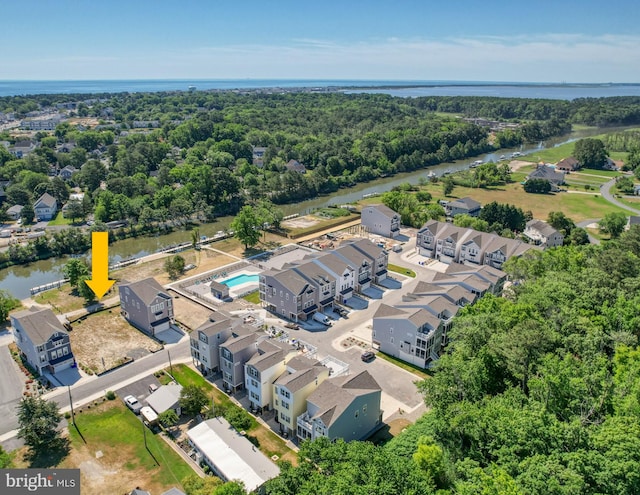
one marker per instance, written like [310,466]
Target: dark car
[367,356]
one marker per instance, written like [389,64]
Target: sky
[516,41]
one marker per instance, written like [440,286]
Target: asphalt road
[606,194]
[95,387]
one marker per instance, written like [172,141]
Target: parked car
[132,403]
[367,356]
[343,312]
[292,326]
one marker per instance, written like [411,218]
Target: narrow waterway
[19,279]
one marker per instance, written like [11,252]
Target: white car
[132,403]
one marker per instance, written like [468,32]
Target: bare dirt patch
[189,313]
[107,338]
[300,222]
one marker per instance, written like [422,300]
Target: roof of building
[15,209]
[422,317]
[542,227]
[38,324]
[462,203]
[173,491]
[165,398]
[300,379]
[569,163]
[146,289]
[138,491]
[269,354]
[547,173]
[366,247]
[213,327]
[295,166]
[236,344]
[45,201]
[384,209]
[334,395]
[293,281]
[233,455]
[384,310]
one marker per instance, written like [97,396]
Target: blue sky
[537,41]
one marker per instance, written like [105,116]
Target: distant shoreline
[553,90]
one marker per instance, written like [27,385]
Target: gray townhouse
[234,354]
[542,234]
[495,277]
[298,290]
[380,219]
[438,306]
[263,369]
[323,281]
[346,407]
[288,294]
[42,340]
[412,334]
[450,244]
[455,294]
[206,341]
[463,206]
[343,273]
[146,305]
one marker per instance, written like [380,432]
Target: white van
[324,319]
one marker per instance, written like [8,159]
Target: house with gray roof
[42,340]
[346,407]
[14,212]
[206,340]
[46,207]
[146,305]
[411,334]
[173,491]
[555,179]
[542,234]
[165,398]
[381,220]
[234,354]
[463,206]
[291,389]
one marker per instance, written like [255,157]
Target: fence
[52,285]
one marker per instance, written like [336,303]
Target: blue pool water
[240,279]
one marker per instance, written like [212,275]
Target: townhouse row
[313,284]
[415,329]
[307,402]
[450,244]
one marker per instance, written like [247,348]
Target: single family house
[146,305]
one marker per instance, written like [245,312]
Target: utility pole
[73,418]
[170,367]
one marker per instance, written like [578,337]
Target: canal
[19,279]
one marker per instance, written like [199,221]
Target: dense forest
[538,392]
[166,156]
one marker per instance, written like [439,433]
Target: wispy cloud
[528,57]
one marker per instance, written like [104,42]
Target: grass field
[402,270]
[578,207]
[252,297]
[60,220]
[419,372]
[111,453]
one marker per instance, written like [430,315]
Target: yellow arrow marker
[100,282]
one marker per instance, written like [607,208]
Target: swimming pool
[241,279]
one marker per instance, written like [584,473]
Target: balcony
[310,309]
[304,424]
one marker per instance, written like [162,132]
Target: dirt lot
[189,313]
[301,222]
[108,336]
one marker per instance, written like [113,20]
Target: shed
[165,398]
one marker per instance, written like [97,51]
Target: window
[254,383]
[364,409]
[285,393]
[157,308]
[285,405]
[357,413]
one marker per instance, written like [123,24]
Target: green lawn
[609,174]
[60,220]
[578,207]
[252,297]
[419,372]
[402,270]
[118,433]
